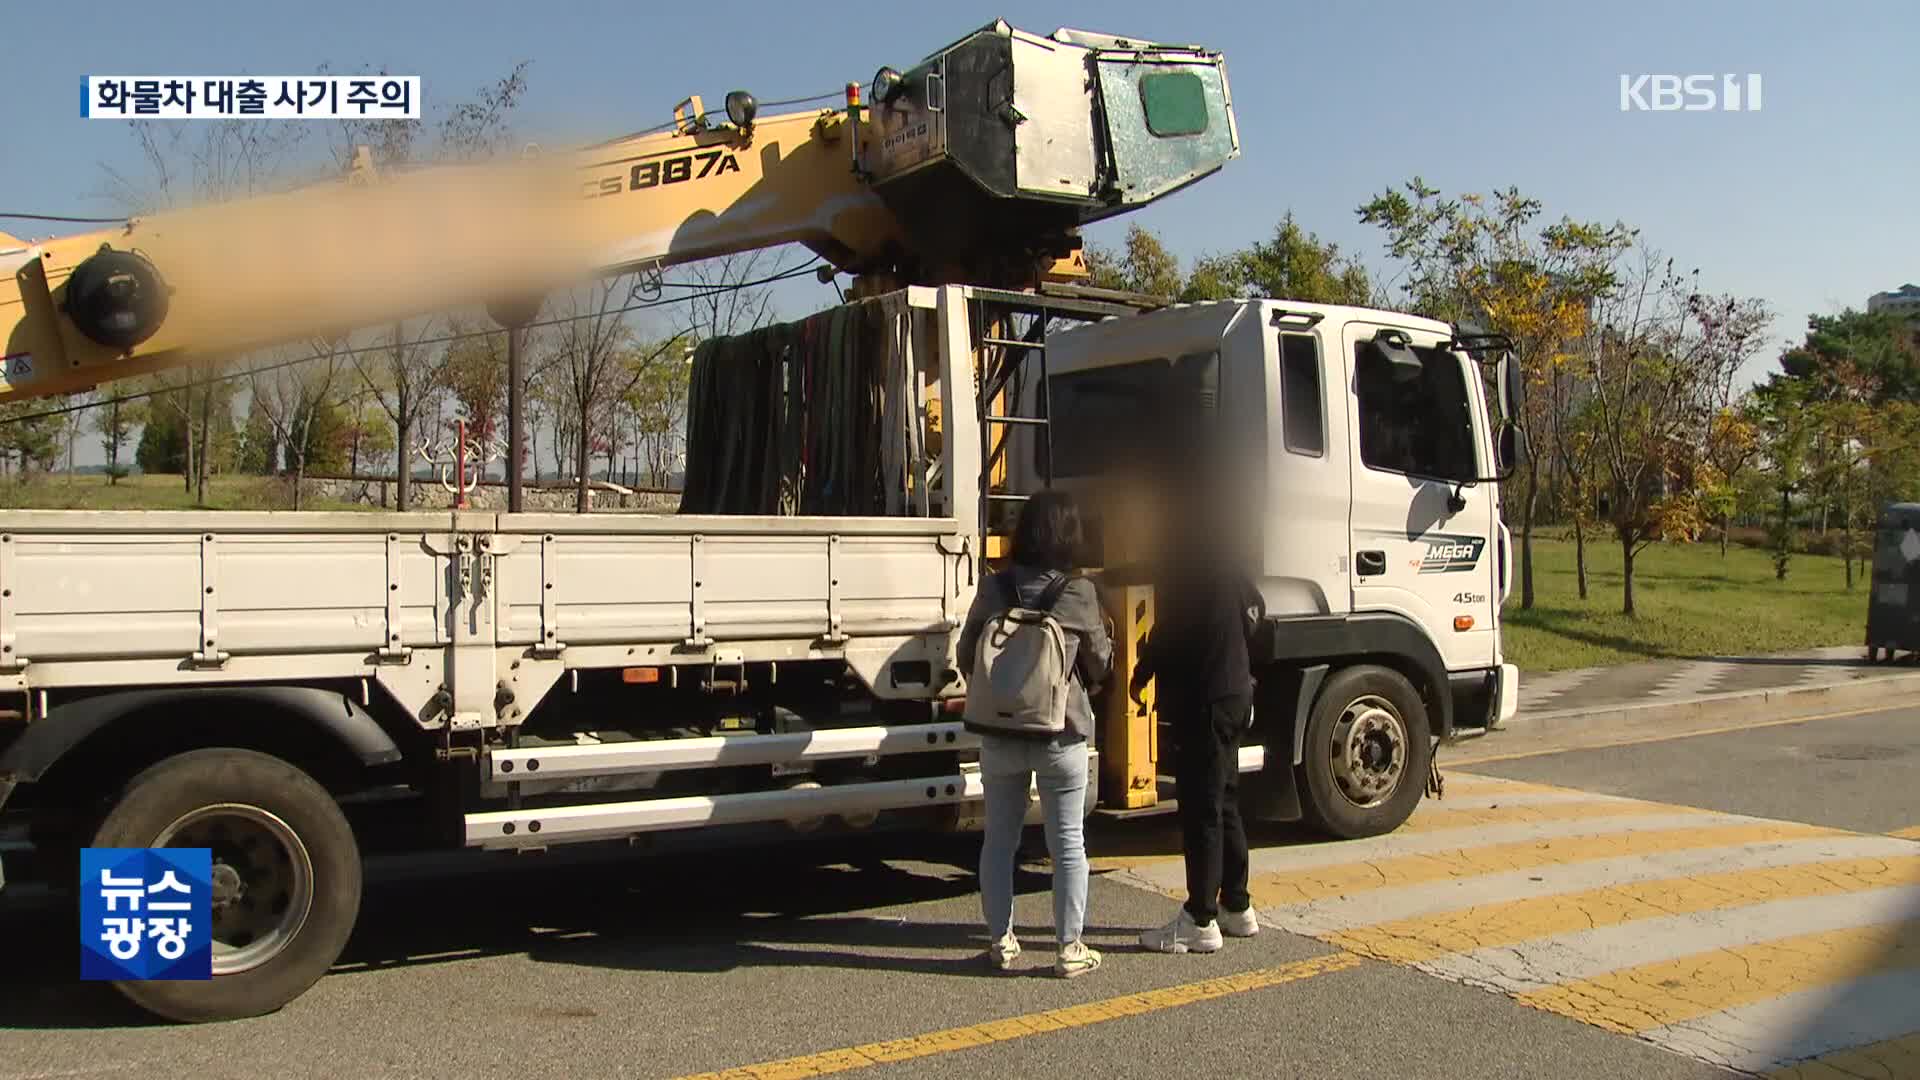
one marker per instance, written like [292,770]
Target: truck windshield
[1415,422]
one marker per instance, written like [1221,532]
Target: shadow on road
[1874,1006]
[818,905]
[1796,662]
[1569,625]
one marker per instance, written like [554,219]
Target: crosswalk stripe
[1875,1015]
[1475,784]
[1419,923]
[1886,1058]
[1736,940]
[1401,843]
[1534,964]
[1294,887]
[1520,810]
[1499,798]
[1669,992]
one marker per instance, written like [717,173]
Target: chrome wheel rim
[262,881]
[1369,751]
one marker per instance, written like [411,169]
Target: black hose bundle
[787,419]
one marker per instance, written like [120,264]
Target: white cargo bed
[103,598]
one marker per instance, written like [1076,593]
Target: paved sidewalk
[1678,682]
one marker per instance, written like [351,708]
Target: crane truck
[292,690]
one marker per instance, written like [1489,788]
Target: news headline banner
[270,97]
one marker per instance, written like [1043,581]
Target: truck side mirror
[1512,449]
[1512,388]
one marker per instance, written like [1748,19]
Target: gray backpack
[1020,675]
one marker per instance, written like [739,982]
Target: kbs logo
[1447,554]
[1689,93]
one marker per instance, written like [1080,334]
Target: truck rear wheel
[1368,748]
[286,876]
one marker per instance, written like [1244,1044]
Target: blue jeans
[1008,766]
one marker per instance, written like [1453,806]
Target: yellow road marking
[1907,834]
[1019,1027]
[1488,759]
[1302,886]
[1440,818]
[1893,1058]
[1639,999]
[1413,941]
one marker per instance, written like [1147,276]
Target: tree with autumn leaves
[1292,263]
[1630,368]
[1487,261]
[1839,431]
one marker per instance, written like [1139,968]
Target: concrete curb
[1742,705]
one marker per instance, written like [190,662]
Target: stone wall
[429,495]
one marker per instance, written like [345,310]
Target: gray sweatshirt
[1089,649]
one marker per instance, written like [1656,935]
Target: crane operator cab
[1003,143]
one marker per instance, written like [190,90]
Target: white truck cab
[1370,462]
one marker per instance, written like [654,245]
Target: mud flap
[1281,703]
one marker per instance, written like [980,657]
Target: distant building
[1904,300]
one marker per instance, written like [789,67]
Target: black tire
[1326,804]
[316,836]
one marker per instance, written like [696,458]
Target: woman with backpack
[1036,645]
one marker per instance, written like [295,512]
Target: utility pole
[516,422]
[513,316]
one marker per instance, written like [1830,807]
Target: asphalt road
[864,955]
[661,969]
[1855,772]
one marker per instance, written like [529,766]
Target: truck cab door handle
[1370,563]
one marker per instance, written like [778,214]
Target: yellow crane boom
[977,165]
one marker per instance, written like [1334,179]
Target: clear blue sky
[1811,204]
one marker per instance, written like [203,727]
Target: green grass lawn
[90,491]
[1691,602]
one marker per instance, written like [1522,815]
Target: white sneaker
[1001,954]
[1239,923]
[1183,935]
[1075,960]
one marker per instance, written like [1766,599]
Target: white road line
[1537,691]
[64,1074]
[1493,798]
[1412,901]
[1535,965]
[1304,857]
[1694,679]
[1168,874]
[1777,1032]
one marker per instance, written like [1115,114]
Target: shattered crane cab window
[1175,103]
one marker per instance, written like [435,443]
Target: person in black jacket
[1206,609]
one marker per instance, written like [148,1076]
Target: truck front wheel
[1367,752]
[286,876]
